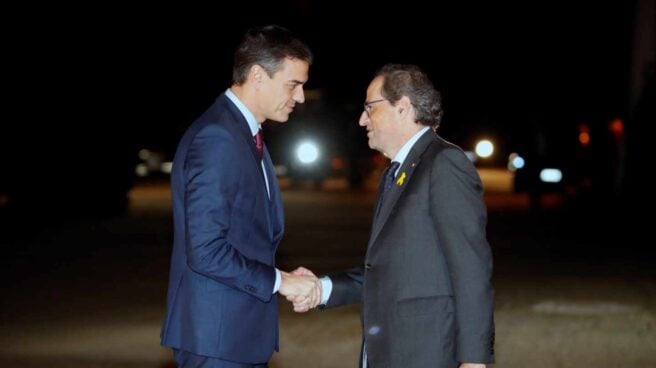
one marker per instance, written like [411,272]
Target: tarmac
[90,293]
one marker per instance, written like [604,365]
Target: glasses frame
[367,105]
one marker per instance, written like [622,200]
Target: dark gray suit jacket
[425,286]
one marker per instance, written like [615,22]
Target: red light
[337,163]
[616,126]
[584,134]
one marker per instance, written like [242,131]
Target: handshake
[302,288]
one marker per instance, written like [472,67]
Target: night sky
[158,68]
[128,77]
[493,63]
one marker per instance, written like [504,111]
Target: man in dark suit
[228,215]
[425,286]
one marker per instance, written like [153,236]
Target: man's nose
[364,119]
[299,96]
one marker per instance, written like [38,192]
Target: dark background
[88,86]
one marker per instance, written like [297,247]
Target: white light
[307,152]
[518,162]
[515,162]
[166,167]
[551,175]
[484,148]
[144,154]
[141,170]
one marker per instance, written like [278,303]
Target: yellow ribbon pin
[401,178]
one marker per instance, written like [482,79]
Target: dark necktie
[259,144]
[389,176]
[388,181]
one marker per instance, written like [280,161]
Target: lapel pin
[401,178]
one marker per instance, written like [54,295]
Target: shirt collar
[250,118]
[405,150]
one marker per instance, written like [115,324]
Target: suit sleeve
[212,184]
[460,216]
[347,287]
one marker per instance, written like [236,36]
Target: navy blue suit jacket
[227,230]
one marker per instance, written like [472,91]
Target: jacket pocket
[430,305]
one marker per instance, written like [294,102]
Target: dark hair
[409,80]
[267,47]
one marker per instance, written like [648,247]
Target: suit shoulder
[449,158]
[445,150]
[220,125]
[206,135]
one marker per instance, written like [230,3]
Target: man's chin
[280,119]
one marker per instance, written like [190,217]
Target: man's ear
[256,73]
[403,105]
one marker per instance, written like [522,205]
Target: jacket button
[367,266]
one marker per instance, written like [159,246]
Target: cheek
[376,127]
[285,96]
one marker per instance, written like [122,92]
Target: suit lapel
[240,125]
[400,183]
[275,203]
[273,216]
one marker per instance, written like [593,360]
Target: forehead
[374,87]
[293,69]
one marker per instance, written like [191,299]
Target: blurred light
[616,126]
[484,148]
[379,160]
[584,135]
[515,162]
[281,170]
[551,175]
[337,163]
[141,170]
[471,156]
[307,152]
[144,154]
[166,167]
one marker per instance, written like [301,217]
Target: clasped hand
[302,288]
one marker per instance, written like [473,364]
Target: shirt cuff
[276,285]
[326,289]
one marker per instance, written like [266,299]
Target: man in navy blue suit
[228,215]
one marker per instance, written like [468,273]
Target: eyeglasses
[367,105]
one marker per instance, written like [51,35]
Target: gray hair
[409,80]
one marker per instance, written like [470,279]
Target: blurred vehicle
[314,144]
[579,161]
[539,174]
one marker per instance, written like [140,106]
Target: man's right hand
[302,288]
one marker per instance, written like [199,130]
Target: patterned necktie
[259,144]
